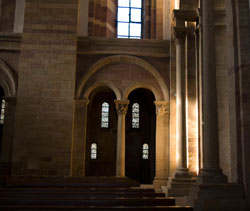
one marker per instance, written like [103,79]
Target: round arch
[144,85]
[103,83]
[125,59]
[7,80]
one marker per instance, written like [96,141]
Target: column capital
[162,108]
[179,34]
[121,106]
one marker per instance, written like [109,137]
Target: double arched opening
[127,144]
[101,136]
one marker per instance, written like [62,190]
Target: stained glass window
[105,115]
[135,115]
[145,151]
[93,154]
[3,104]
[129,19]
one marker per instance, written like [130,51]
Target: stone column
[211,171]
[181,136]
[79,137]
[122,107]
[162,144]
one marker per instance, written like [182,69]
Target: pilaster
[162,144]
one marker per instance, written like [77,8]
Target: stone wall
[7,15]
[43,129]
[102,18]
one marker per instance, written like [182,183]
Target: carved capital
[179,35]
[121,106]
[162,108]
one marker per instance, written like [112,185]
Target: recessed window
[105,115]
[145,151]
[93,154]
[3,104]
[129,19]
[135,115]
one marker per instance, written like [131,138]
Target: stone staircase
[93,193]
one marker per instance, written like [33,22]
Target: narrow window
[93,154]
[105,115]
[129,19]
[145,151]
[3,104]
[135,115]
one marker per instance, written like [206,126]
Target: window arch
[135,115]
[145,151]
[129,19]
[105,115]
[93,153]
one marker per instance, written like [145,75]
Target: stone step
[159,201]
[71,182]
[80,208]
[82,195]
[11,189]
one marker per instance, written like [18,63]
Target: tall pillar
[121,107]
[181,136]
[211,171]
[78,150]
[162,144]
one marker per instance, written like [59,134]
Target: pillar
[181,136]
[162,144]
[78,150]
[211,171]
[121,107]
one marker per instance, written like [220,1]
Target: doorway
[140,136]
[101,133]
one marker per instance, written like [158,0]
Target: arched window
[145,151]
[3,104]
[93,153]
[105,115]
[129,19]
[135,115]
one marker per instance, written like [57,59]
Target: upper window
[105,115]
[135,115]
[3,104]
[129,19]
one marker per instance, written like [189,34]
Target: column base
[182,173]
[211,197]
[211,175]
[159,182]
[179,187]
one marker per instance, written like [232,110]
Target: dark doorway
[101,133]
[2,110]
[140,136]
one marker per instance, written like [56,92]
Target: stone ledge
[136,47]
[10,41]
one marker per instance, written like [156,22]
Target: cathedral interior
[154,91]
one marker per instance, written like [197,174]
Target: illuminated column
[121,107]
[181,136]
[211,171]
[162,138]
